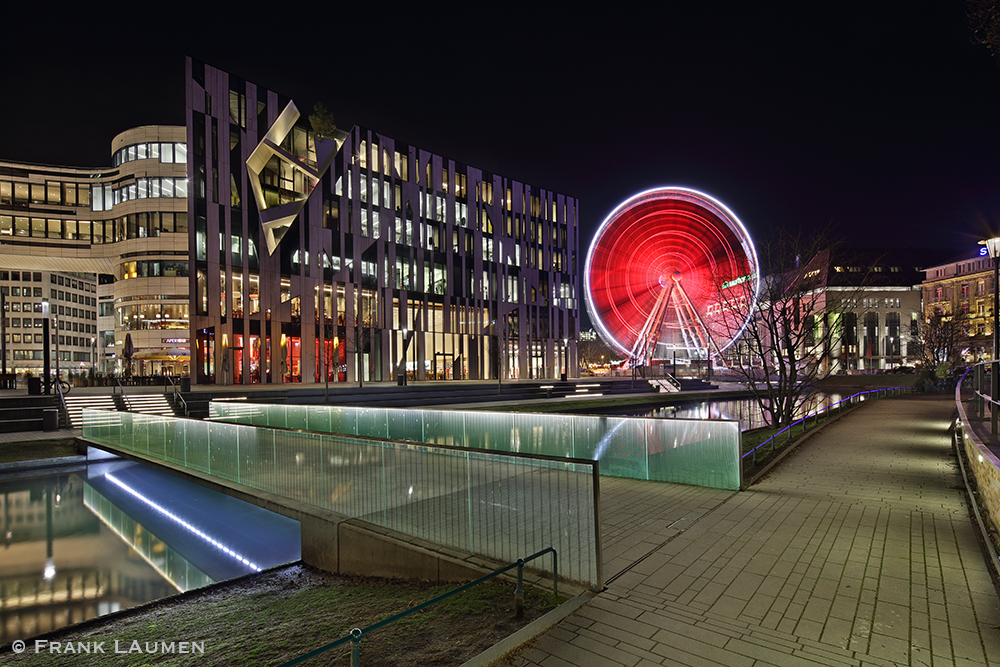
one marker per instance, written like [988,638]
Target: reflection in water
[87,541]
[745,410]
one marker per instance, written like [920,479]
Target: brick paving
[856,550]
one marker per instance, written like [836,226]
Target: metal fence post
[519,591]
[356,647]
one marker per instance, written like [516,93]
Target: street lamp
[993,248]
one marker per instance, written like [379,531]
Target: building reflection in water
[86,541]
[747,411]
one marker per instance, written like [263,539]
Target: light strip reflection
[167,513]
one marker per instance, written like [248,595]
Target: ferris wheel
[671,273]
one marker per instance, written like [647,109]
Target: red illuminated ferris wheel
[671,273]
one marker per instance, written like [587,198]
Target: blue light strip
[167,513]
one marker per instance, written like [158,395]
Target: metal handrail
[63,410]
[177,394]
[122,389]
[839,405]
[356,634]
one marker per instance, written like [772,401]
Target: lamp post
[993,248]
[46,367]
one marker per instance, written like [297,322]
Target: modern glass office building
[277,256]
[357,257]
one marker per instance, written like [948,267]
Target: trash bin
[185,384]
[50,420]
[34,385]
[401,380]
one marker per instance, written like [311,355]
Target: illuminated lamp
[993,248]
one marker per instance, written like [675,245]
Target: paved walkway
[856,550]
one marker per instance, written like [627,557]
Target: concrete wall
[983,465]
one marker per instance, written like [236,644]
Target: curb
[491,655]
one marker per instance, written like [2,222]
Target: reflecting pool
[84,541]
[744,410]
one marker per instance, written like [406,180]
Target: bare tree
[984,21]
[795,324]
[596,351]
[941,337]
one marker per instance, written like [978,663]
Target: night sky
[881,118]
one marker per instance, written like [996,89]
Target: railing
[355,635]
[63,410]
[177,395]
[816,415]
[492,504]
[687,451]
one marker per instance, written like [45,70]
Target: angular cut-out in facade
[276,219]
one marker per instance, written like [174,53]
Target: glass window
[180,153]
[54,193]
[167,187]
[21,227]
[6,225]
[167,153]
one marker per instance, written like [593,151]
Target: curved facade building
[107,248]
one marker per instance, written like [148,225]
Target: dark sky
[880,117]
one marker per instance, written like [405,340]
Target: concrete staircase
[76,404]
[24,413]
[148,404]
